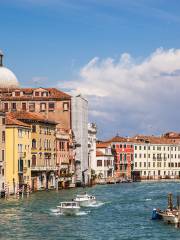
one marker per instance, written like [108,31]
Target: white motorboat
[85,199]
[68,208]
[169,216]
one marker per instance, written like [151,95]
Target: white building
[104,168]
[92,130]
[2,152]
[80,129]
[156,158]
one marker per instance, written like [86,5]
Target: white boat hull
[68,211]
[169,218]
[86,203]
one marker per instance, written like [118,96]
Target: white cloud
[134,94]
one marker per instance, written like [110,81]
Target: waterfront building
[92,131]
[2,152]
[52,103]
[104,168]
[43,149]
[18,154]
[65,158]
[156,158]
[123,151]
[80,129]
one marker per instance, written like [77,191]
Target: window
[149,155]
[3,121]
[17,94]
[139,147]
[135,147]
[135,164]
[149,164]
[31,107]
[33,160]
[121,157]
[3,156]
[24,106]
[3,136]
[6,107]
[20,133]
[140,155]
[149,147]
[36,94]
[65,106]
[144,164]
[29,163]
[124,145]
[144,147]
[13,106]
[135,155]
[42,107]
[105,163]
[34,128]
[120,145]
[51,106]
[34,143]
[99,163]
[144,155]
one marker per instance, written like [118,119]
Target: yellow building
[43,149]
[18,154]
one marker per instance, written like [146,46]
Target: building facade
[123,151]
[92,131]
[104,168]
[65,158]
[156,158]
[18,155]
[2,152]
[43,149]
[80,129]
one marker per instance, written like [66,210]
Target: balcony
[44,168]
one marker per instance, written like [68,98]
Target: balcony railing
[44,168]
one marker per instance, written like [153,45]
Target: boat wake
[148,199]
[56,212]
[81,213]
[96,205]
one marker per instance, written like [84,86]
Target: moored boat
[68,208]
[85,200]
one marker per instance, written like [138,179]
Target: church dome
[7,77]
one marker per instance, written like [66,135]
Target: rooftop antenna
[1,58]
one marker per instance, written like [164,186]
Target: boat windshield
[69,204]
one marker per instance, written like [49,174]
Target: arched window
[34,143]
[33,160]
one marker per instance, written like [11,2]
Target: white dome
[7,78]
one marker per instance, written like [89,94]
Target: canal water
[123,212]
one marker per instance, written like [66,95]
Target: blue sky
[51,42]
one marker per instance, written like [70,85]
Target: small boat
[85,200]
[170,217]
[68,208]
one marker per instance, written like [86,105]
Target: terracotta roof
[153,139]
[13,121]
[142,139]
[28,116]
[53,94]
[102,144]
